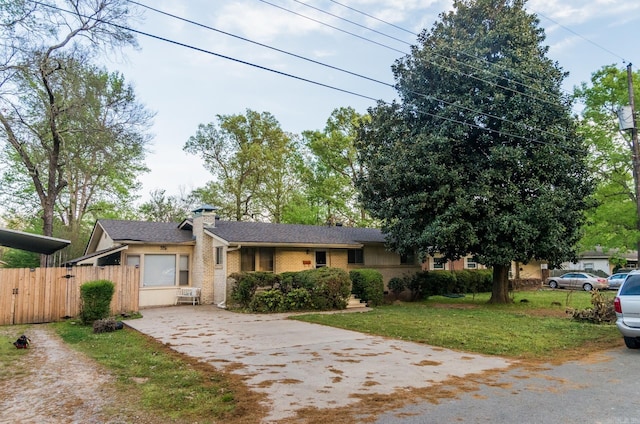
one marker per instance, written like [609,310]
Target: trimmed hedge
[368,285]
[425,284]
[315,289]
[247,283]
[95,298]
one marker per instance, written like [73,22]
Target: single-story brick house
[203,251]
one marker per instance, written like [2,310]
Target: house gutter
[223,304]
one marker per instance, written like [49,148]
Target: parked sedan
[616,280]
[627,306]
[578,280]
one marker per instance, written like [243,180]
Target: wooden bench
[188,295]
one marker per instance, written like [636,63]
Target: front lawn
[535,326]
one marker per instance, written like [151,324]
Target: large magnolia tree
[481,155]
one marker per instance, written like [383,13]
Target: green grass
[165,385]
[534,329]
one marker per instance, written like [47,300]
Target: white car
[627,306]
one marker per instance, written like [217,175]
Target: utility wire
[373,17]
[333,27]
[469,75]
[583,37]
[426,96]
[188,46]
[352,22]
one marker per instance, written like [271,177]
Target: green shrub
[247,283]
[425,284]
[397,285]
[267,301]
[329,288]
[95,297]
[368,285]
[416,284]
[297,300]
[244,289]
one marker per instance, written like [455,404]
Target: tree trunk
[500,290]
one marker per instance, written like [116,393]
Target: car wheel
[587,287]
[631,342]
[553,284]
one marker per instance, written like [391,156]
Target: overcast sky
[187,87]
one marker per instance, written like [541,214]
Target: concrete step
[354,302]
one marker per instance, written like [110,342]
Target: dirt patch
[60,385]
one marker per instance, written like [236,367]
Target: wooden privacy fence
[37,295]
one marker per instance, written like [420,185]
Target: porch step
[354,302]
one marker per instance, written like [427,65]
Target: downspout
[223,304]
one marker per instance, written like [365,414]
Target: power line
[332,27]
[188,46]
[426,96]
[469,75]
[581,36]
[373,17]
[352,22]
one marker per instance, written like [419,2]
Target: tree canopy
[613,223]
[75,134]
[481,154]
[251,158]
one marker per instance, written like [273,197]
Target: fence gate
[37,295]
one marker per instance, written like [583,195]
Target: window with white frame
[161,270]
[438,263]
[471,263]
[184,270]
[219,255]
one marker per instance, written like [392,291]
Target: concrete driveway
[300,365]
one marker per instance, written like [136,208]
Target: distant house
[203,251]
[599,260]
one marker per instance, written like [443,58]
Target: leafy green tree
[614,223]
[162,208]
[481,155]
[249,156]
[14,258]
[62,118]
[334,166]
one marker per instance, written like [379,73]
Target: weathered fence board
[30,296]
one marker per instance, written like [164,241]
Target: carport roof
[31,242]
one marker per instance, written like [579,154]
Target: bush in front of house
[247,283]
[330,288]
[320,289]
[368,285]
[397,285]
[297,300]
[95,298]
[425,284]
[268,301]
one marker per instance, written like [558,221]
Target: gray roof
[261,232]
[240,232]
[145,231]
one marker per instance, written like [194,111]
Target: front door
[321,258]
